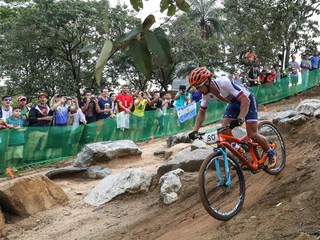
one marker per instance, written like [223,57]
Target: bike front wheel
[221,186]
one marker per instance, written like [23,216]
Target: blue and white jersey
[228,89]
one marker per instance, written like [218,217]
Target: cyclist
[242,106]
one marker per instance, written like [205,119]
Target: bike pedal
[262,166]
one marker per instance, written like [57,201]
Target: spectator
[14,151]
[76,116]
[40,114]
[89,106]
[294,68]
[277,69]
[140,104]
[195,95]
[243,79]
[60,110]
[15,121]
[253,75]
[104,104]
[305,67]
[182,97]
[6,109]
[250,56]
[124,100]
[113,105]
[22,104]
[315,60]
[125,103]
[236,77]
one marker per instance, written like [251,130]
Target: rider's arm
[244,106]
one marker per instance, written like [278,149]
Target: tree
[207,16]
[142,41]
[44,42]
[269,27]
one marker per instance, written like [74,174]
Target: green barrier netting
[34,145]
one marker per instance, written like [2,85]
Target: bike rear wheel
[221,201]
[274,137]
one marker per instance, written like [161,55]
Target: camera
[141,94]
[92,98]
[69,98]
[182,88]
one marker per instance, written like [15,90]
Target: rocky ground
[276,207]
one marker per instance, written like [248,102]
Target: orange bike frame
[224,141]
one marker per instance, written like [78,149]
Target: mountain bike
[221,183]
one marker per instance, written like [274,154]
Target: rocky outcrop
[187,160]
[129,181]
[105,151]
[178,138]
[170,186]
[28,195]
[94,172]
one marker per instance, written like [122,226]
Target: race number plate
[210,136]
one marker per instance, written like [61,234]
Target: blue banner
[186,112]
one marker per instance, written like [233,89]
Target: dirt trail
[276,207]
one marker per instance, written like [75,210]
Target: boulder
[299,120]
[170,186]
[175,149]
[105,151]
[31,194]
[178,138]
[129,181]
[284,115]
[308,105]
[187,160]
[159,151]
[198,144]
[316,113]
[94,172]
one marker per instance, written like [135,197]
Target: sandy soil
[276,207]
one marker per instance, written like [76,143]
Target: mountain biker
[242,106]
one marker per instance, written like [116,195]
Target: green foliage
[141,56]
[140,39]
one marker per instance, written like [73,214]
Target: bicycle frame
[224,141]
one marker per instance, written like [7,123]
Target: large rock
[170,186]
[178,138]
[308,105]
[284,115]
[187,160]
[2,224]
[105,151]
[94,172]
[175,149]
[130,181]
[28,195]
[317,113]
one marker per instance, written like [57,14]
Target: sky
[149,7]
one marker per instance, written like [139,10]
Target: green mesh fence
[34,145]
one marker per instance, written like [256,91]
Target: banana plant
[141,41]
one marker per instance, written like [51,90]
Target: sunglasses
[199,85]
[7,99]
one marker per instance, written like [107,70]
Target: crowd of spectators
[128,109]
[275,75]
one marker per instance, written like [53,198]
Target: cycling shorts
[233,110]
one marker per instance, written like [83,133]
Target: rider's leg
[252,130]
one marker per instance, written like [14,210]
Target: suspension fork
[227,181]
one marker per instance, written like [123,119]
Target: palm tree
[207,15]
